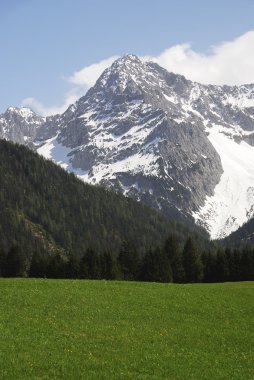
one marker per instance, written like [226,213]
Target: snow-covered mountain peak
[23,111]
[125,134]
[153,135]
[20,124]
[180,146]
[125,72]
[127,61]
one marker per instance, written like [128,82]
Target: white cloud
[227,63]
[87,76]
[43,110]
[82,81]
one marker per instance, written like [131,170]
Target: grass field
[61,329]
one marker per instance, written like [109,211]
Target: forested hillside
[44,209]
[54,225]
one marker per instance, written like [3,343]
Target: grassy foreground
[61,329]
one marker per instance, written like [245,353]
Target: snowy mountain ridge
[180,146]
[20,125]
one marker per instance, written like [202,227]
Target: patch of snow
[178,120]
[26,112]
[58,153]
[23,111]
[144,162]
[195,93]
[241,101]
[87,115]
[139,162]
[230,130]
[231,204]
[187,107]
[171,99]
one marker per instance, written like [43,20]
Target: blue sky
[45,42]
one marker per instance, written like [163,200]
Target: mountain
[179,146]
[243,236]
[46,210]
[20,125]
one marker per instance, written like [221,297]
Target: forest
[53,225]
[168,263]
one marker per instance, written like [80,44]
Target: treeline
[169,263]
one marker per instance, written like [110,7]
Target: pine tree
[108,266]
[38,266]
[2,259]
[247,264]
[15,263]
[222,266]
[56,267]
[193,266]
[156,267]
[175,257]
[209,264]
[234,263]
[73,266]
[128,260]
[90,265]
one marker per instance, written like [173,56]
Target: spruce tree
[193,266]
[90,265]
[247,264]
[222,266]
[56,267]
[38,266]
[2,258]
[15,263]
[108,266]
[128,260]
[175,257]
[209,264]
[234,263]
[155,267]
[73,266]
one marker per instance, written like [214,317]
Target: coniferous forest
[53,225]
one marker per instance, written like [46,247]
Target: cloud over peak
[230,63]
[87,76]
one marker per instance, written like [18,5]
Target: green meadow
[77,329]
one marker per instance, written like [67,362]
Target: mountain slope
[243,236]
[120,134]
[179,146]
[233,201]
[45,209]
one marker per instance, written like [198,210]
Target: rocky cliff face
[20,125]
[159,138]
